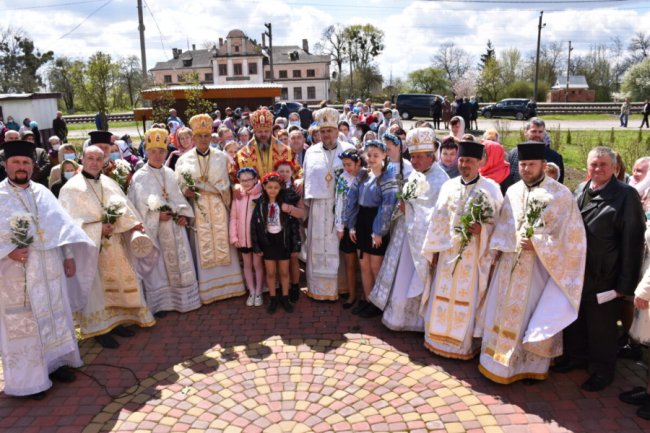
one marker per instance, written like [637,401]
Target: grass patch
[570,117]
[91,126]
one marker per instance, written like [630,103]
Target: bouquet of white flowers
[121,172]
[190,184]
[112,211]
[156,204]
[415,186]
[538,200]
[19,224]
[479,210]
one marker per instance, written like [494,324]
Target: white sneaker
[250,301]
[258,300]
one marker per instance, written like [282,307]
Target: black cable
[104,387]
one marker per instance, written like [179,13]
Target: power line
[162,43]
[86,19]
[50,5]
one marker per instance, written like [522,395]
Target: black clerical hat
[531,150]
[19,148]
[471,149]
[98,137]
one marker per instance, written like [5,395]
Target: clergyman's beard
[263,145]
[21,181]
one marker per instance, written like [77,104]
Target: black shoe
[160,314]
[566,365]
[107,342]
[38,396]
[596,383]
[644,411]
[347,305]
[370,311]
[122,331]
[636,396]
[361,305]
[294,293]
[284,301]
[630,351]
[273,305]
[63,374]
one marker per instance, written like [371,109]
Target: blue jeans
[624,118]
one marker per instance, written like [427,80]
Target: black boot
[123,331]
[273,304]
[284,300]
[63,374]
[294,293]
[107,342]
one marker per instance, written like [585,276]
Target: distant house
[578,90]
[240,60]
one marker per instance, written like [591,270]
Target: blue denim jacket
[367,192]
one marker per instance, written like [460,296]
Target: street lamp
[539,38]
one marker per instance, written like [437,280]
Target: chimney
[175,53]
[193,47]
[220,42]
[305,45]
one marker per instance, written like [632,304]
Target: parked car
[514,107]
[293,107]
[410,105]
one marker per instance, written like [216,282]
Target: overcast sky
[413,29]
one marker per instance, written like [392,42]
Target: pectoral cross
[328,178]
[41,234]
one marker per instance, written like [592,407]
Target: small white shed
[41,107]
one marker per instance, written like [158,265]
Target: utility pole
[539,38]
[351,70]
[143,53]
[568,69]
[269,33]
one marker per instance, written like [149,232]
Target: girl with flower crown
[274,235]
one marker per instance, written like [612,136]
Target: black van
[410,105]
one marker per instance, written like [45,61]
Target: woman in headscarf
[457,127]
[184,144]
[496,167]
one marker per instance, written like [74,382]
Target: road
[499,124]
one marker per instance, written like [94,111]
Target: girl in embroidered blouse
[274,235]
[402,167]
[352,163]
[295,207]
[371,203]
[241,214]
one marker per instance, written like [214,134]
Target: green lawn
[91,126]
[633,117]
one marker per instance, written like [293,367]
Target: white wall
[43,111]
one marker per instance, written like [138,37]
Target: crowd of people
[485,252]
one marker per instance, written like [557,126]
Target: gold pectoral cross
[328,178]
[41,234]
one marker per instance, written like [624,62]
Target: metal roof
[217,87]
[575,82]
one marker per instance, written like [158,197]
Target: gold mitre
[155,138]
[421,140]
[201,124]
[261,119]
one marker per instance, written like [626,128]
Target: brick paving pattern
[231,368]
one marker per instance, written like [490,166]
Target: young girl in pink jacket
[240,233]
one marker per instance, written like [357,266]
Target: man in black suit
[615,224]
[534,131]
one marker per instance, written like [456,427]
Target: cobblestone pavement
[231,368]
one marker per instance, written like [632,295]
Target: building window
[267,75]
[311,73]
[311,92]
[209,77]
[167,78]
[236,48]
[297,93]
[296,73]
[237,70]
[284,94]
[252,68]
[223,70]
[283,74]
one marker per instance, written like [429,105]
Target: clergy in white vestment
[45,264]
[405,272]
[535,291]
[457,245]
[126,255]
[217,264]
[165,213]
[324,278]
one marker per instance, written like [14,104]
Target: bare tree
[639,46]
[510,62]
[455,61]
[332,43]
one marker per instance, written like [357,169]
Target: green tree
[489,55]
[362,44]
[99,76]
[637,81]
[65,75]
[511,65]
[598,71]
[131,79]
[20,62]
[195,102]
[490,86]
[163,102]
[428,80]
